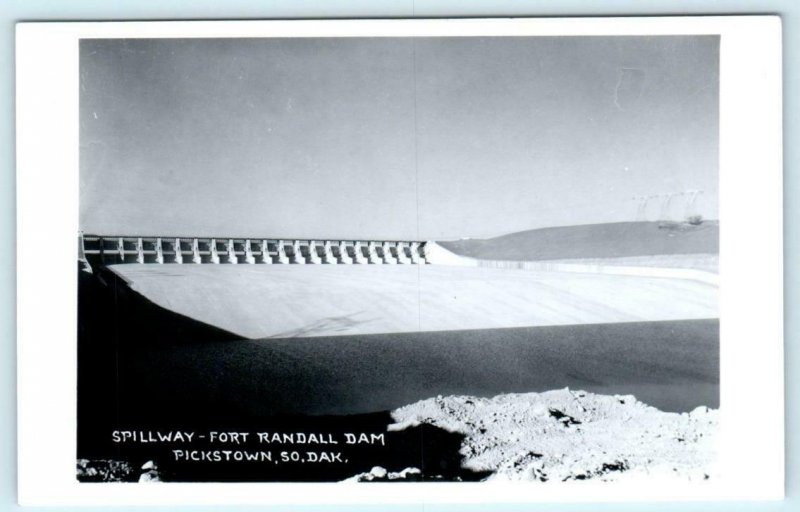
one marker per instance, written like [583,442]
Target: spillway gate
[111,250]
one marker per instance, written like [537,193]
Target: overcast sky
[392,138]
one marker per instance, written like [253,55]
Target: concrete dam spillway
[290,288]
[340,316]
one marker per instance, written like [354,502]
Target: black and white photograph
[399,259]
[380,259]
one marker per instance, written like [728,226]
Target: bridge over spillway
[110,250]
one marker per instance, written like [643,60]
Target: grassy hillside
[621,239]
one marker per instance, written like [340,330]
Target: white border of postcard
[751,266]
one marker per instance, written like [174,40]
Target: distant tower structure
[642,203]
[666,201]
[641,207]
[691,202]
[662,206]
[674,206]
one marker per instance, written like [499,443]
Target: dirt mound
[571,435]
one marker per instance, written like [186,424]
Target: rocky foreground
[555,436]
[569,435]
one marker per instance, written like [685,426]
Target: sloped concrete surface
[261,301]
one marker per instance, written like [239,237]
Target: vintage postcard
[402,256]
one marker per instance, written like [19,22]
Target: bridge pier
[344,258]
[231,252]
[82,260]
[372,251]
[387,254]
[402,258]
[248,253]
[196,252]
[178,251]
[358,251]
[265,256]
[213,251]
[159,252]
[327,250]
[282,257]
[297,256]
[313,255]
[415,253]
[139,250]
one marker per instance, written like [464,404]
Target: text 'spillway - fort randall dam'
[330,259]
